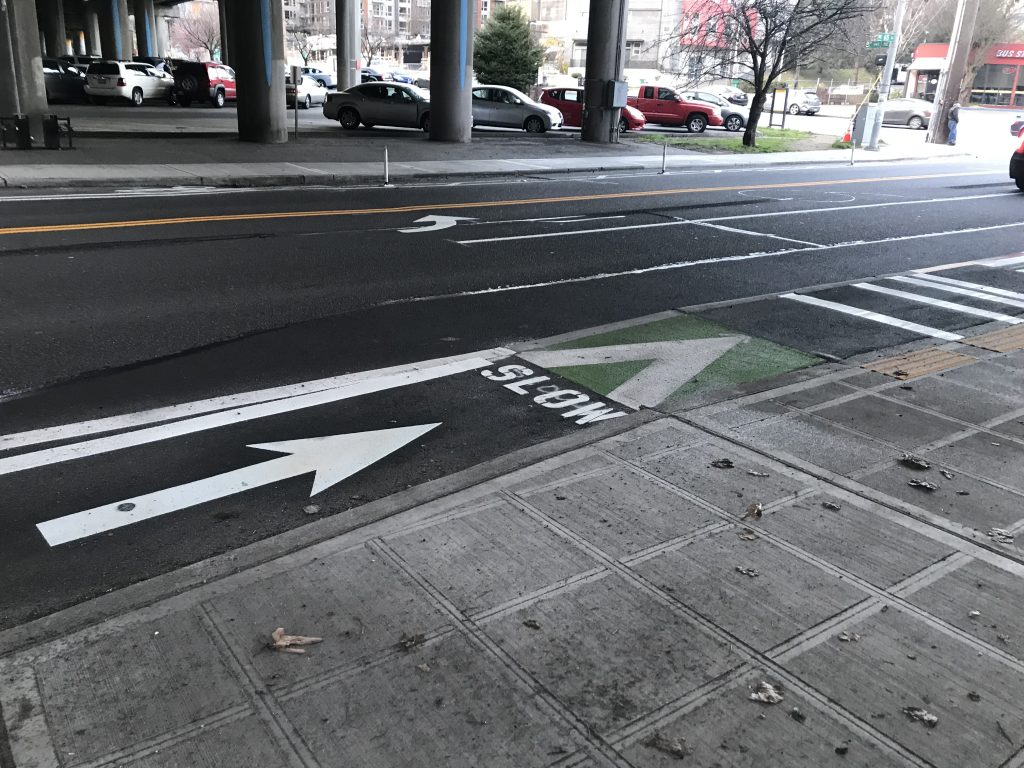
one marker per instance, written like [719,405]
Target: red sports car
[570,102]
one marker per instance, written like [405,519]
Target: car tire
[696,123]
[219,99]
[915,122]
[733,123]
[323,83]
[1019,181]
[307,102]
[623,125]
[794,109]
[349,119]
[534,124]
[137,97]
[425,123]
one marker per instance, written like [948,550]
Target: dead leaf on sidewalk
[531,624]
[746,534]
[924,485]
[407,642]
[831,506]
[848,637]
[766,693]
[754,511]
[914,462]
[946,474]
[675,747]
[755,473]
[1000,535]
[722,464]
[279,641]
[921,715]
[748,572]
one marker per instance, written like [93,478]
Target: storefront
[999,82]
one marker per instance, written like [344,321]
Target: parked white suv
[133,81]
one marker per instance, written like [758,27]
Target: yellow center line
[95,225]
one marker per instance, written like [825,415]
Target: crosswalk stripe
[864,314]
[940,303]
[975,286]
[960,291]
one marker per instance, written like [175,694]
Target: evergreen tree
[505,52]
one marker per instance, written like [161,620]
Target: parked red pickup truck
[666,106]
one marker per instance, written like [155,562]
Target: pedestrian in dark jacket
[954,121]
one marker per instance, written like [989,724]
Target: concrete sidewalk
[755,582]
[301,165]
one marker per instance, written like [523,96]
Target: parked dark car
[204,82]
[80,61]
[326,79]
[64,82]
[1017,167]
[373,104]
[371,75]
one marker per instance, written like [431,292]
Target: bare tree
[377,37]
[197,32]
[305,33]
[757,40]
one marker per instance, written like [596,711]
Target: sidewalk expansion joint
[499,655]
[748,653]
[269,712]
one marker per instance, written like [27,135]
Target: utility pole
[885,82]
[952,76]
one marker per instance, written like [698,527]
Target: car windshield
[520,95]
[418,93]
[105,68]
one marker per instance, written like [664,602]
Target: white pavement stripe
[199,407]
[974,286]
[832,208]
[864,314]
[568,233]
[751,233]
[936,286]
[117,442]
[1002,261]
[940,303]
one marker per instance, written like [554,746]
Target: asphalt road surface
[148,338]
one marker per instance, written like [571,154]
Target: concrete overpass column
[225,48]
[605,62]
[162,34]
[349,35]
[145,31]
[54,32]
[27,55]
[260,66]
[10,104]
[92,30]
[115,31]
[451,70]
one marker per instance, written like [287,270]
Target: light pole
[885,82]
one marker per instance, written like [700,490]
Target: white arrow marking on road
[436,222]
[333,458]
[674,364]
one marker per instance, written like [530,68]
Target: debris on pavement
[848,637]
[126,506]
[746,534]
[279,641]
[963,493]
[797,715]
[1003,639]
[311,509]
[924,485]
[842,749]
[899,373]
[675,747]
[1006,736]
[754,511]
[423,667]
[1000,535]
[531,624]
[974,696]
[831,506]
[946,474]
[921,715]
[974,614]
[723,464]
[748,572]
[766,693]
[755,473]
[407,642]
[914,462]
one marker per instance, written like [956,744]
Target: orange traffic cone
[847,137]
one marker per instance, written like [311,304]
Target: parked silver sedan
[310,92]
[913,113]
[371,104]
[499,105]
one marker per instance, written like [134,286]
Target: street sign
[877,44]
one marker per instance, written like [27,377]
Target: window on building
[694,25]
[634,50]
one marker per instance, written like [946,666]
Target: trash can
[51,132]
